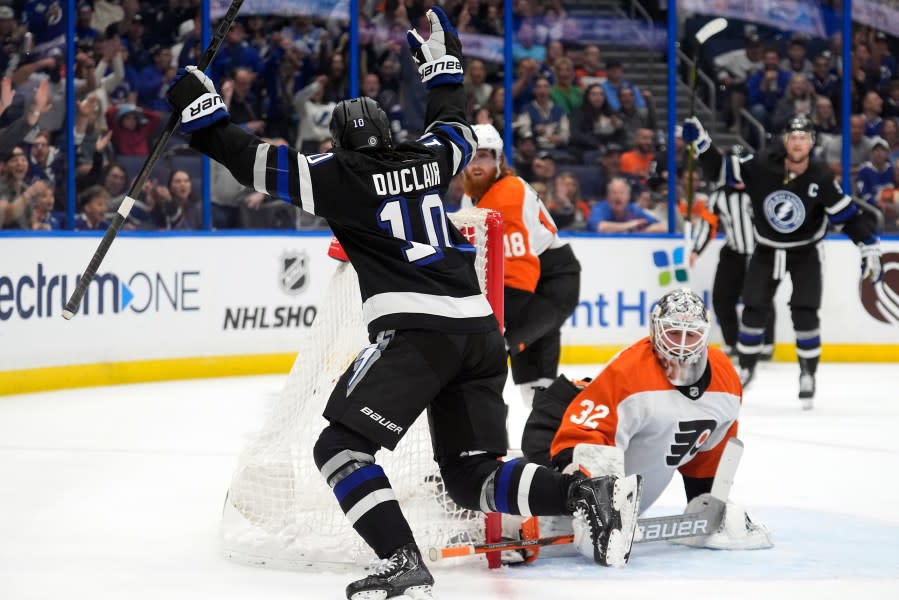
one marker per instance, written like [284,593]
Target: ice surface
[113,493]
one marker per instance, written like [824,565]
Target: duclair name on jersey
[258,317]
[403,181]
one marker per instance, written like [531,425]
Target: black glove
[193,96]
[439,59]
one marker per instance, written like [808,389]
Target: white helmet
[490,139]
[679,330]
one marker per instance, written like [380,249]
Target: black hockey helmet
[360,124]
[800,123]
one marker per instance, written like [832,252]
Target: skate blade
[807,403]
[626,501]
[417,592]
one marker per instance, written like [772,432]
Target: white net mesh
[279,511]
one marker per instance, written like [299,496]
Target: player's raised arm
[439,61]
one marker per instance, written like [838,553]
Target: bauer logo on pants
[881,299]
[294,275]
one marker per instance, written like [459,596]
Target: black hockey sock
[523,488]
[809,365]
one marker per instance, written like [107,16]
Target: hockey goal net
[279,512]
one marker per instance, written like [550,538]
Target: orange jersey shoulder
[509,195]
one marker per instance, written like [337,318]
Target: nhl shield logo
[294,271]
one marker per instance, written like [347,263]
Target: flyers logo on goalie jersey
[633,406]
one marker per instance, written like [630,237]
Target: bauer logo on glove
[439,59]
[195,98]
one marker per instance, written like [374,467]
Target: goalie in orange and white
[667,403]
[541,273]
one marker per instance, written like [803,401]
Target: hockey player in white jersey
[666,403]
[435,343]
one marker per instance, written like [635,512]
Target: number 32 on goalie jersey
[394,217]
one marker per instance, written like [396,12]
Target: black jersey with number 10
[416,271]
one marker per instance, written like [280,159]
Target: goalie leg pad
[597,460]
[737,530]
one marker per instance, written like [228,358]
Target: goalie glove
[439,59]
[695,135]
[193,96]
[737,531]
[872,269]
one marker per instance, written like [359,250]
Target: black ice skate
[403,574]
[746,375]
[605,510]
[807,390]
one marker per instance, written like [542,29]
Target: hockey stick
[713,27]
[652,529]
[125,208]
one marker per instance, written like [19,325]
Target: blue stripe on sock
[281,182]
[808,343]
[355,479]
[751,339]
[502,486]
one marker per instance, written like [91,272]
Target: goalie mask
[360,124]
[679,331]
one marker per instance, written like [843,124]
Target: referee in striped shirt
[733,209]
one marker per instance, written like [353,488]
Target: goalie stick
[651,529]
[124,210]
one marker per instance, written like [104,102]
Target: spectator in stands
[83,30]
[101,79]
[658,176]
[766,87]
[315,115]
[527,72]
[615,82]
[865,77]
[13,134]
[242,102]
[44,160]
[824,119]
[635,118]
[891,102]
[796,62]
[477,90]
[732,70]
[38,214]
[337,87]
[133,38]
[799,99]
[525,152]
[876,174]
[235,53]
[882,57]
[94,203]
[175,206]
[566,205]
[526,46]
[544,168]
[154,79]
[13,184]
[496,108]
[872,107]
[825,82]
[594,124]
[46,21]
[545,119]
[656,204]
[115,180]
[131,128]
[617,214]
[591,71]
[830,149]
[564,92]
[638,162]
[890,132]
[609,165]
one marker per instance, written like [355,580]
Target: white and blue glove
[439,59]
[696,136]
[872,269]
[193,96]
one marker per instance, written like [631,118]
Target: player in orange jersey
[667,403]
[542,275]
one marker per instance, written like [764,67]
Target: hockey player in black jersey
[793,201]
[435,343]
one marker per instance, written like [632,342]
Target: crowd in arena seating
[583,131]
